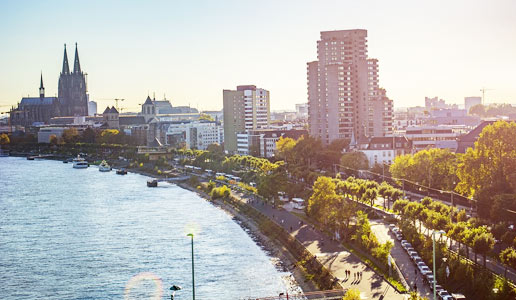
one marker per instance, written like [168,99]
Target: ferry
[104,167]
[80,163]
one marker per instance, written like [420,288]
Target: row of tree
[486,172]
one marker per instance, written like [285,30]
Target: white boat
[104,167]
[80,163]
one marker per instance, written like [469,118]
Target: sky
[189,51]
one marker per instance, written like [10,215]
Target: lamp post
[174,288]
[193,273]
[433,260]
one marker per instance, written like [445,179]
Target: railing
[326,295]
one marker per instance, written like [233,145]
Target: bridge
[319,295]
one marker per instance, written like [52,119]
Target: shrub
[220,192]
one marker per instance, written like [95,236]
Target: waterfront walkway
[333,255]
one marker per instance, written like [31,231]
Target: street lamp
[193,274]
[441,232]
[174,288]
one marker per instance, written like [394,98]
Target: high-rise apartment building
[246,108]
[345,100]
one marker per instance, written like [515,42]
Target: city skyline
[191,52]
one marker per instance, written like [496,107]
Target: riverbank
[286,261]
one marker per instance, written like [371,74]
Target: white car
[443,293]
[425,270]
[406,246]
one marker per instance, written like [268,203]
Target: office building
[469,102]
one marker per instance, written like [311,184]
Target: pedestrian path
[333,255]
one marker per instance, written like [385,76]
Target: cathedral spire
[66,69]
[76,64]
[41,88]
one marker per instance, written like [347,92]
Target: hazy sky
[192,50]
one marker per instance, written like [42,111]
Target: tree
[370,196]
[355,160]
[478,110]
[489,169]
[206,117]
[88,135]
[284,147]
[109,136]
[508,258]
[53,139]
[352,294]
[430,167]
[70,135]
[483,243]
[457,232]
[4,139]
[323,200]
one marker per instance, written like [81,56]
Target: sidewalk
[333,255]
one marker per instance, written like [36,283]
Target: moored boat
[152,182]
[104,167]
[121,171]
[80,163]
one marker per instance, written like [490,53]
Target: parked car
[403,242]
[399,236]
[458,296]
[407,245]
[410,249]
[424,270]
[429,278]
[412,254]
[420,264]
[417,259]
[444,293]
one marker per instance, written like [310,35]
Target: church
[72,99]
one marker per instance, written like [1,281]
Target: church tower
[41,88]
[72,88]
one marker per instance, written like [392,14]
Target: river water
[82,234]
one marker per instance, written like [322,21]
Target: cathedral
[71,100]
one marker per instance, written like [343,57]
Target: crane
[484,90]
[111,99]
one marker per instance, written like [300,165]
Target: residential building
[442,136]
[246,108]
[263,142]
[383,150]
[194,134]
[451,116]
[469,102]
[344,96]
[302,111]
[468,140]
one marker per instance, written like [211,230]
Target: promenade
[333,255]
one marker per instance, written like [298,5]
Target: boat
[152,182]
[68,160]
[121,171]
[30,157]
[104,167]
[80,163]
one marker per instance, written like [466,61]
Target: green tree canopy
[4,139]
[490,168]
[355,160]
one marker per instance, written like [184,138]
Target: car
[403,242]
[417,259]
[406,246]
[391,227]
[443,293]
[448,298]
[438,288]
[429,278]
[412,254]
[420,264]
[424,270]
[399,236]
[410,249]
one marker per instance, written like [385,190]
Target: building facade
[344,96]
[246,108]
[469,102]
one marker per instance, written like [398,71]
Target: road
[491,264]
[405,264]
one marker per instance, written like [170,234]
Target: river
[82,234]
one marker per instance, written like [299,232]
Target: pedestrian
[415,272]
[360,275]
[282,221]
[290,228]
[354,276]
